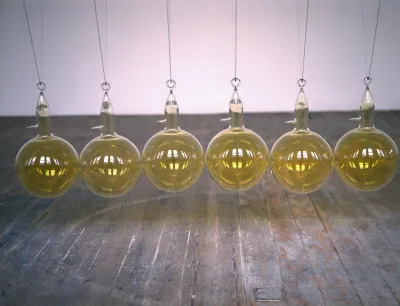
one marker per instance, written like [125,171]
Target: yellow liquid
[237,158]
[301,161]
[47,166]
[173,159]
[366,158]
[110,165]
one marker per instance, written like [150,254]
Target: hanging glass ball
[237,158]
[110,163]
[173,158]
[301,160]
[46,165]
[366,158]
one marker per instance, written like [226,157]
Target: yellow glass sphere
[173,160]
[110,165]
[366,158]
[237,158]
[47,166]
[301,161]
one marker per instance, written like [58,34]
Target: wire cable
[99,38]
[32,45]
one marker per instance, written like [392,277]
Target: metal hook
[301,82]
[235,82]
[367,81]
[105,86]
[41,86]
[171,84]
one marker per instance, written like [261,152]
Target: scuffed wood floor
[205,246]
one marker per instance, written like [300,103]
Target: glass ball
[173,160]
[110,165]
[366,158]
[237,158]
[301,161]
[47,166]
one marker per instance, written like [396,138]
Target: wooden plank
[298,276]
[331,275]
[260,264]
[372,239]
[342,223]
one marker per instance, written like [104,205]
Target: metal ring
[301,82]
[105,86]
[41,86]
[367,80]
[170,84]
[235,82]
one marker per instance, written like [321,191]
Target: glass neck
[171,121]
[301,119]
[108,122]
[367,118]
[44,125]
[43,118]
[236,119]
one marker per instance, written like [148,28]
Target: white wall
[202,46]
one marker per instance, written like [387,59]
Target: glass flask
[173,158]
[237,157]
[110,163]
[46,165]
[366,158]
[301,160]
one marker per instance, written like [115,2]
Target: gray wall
[202,46]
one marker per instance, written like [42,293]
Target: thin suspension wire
[298,36]
[235,37]
[106,69]
[42,42]
[169,38]
[98,35]
[33,47]
[305,40]
[373,43]
[363,35]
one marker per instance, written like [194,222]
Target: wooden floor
[205,246]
